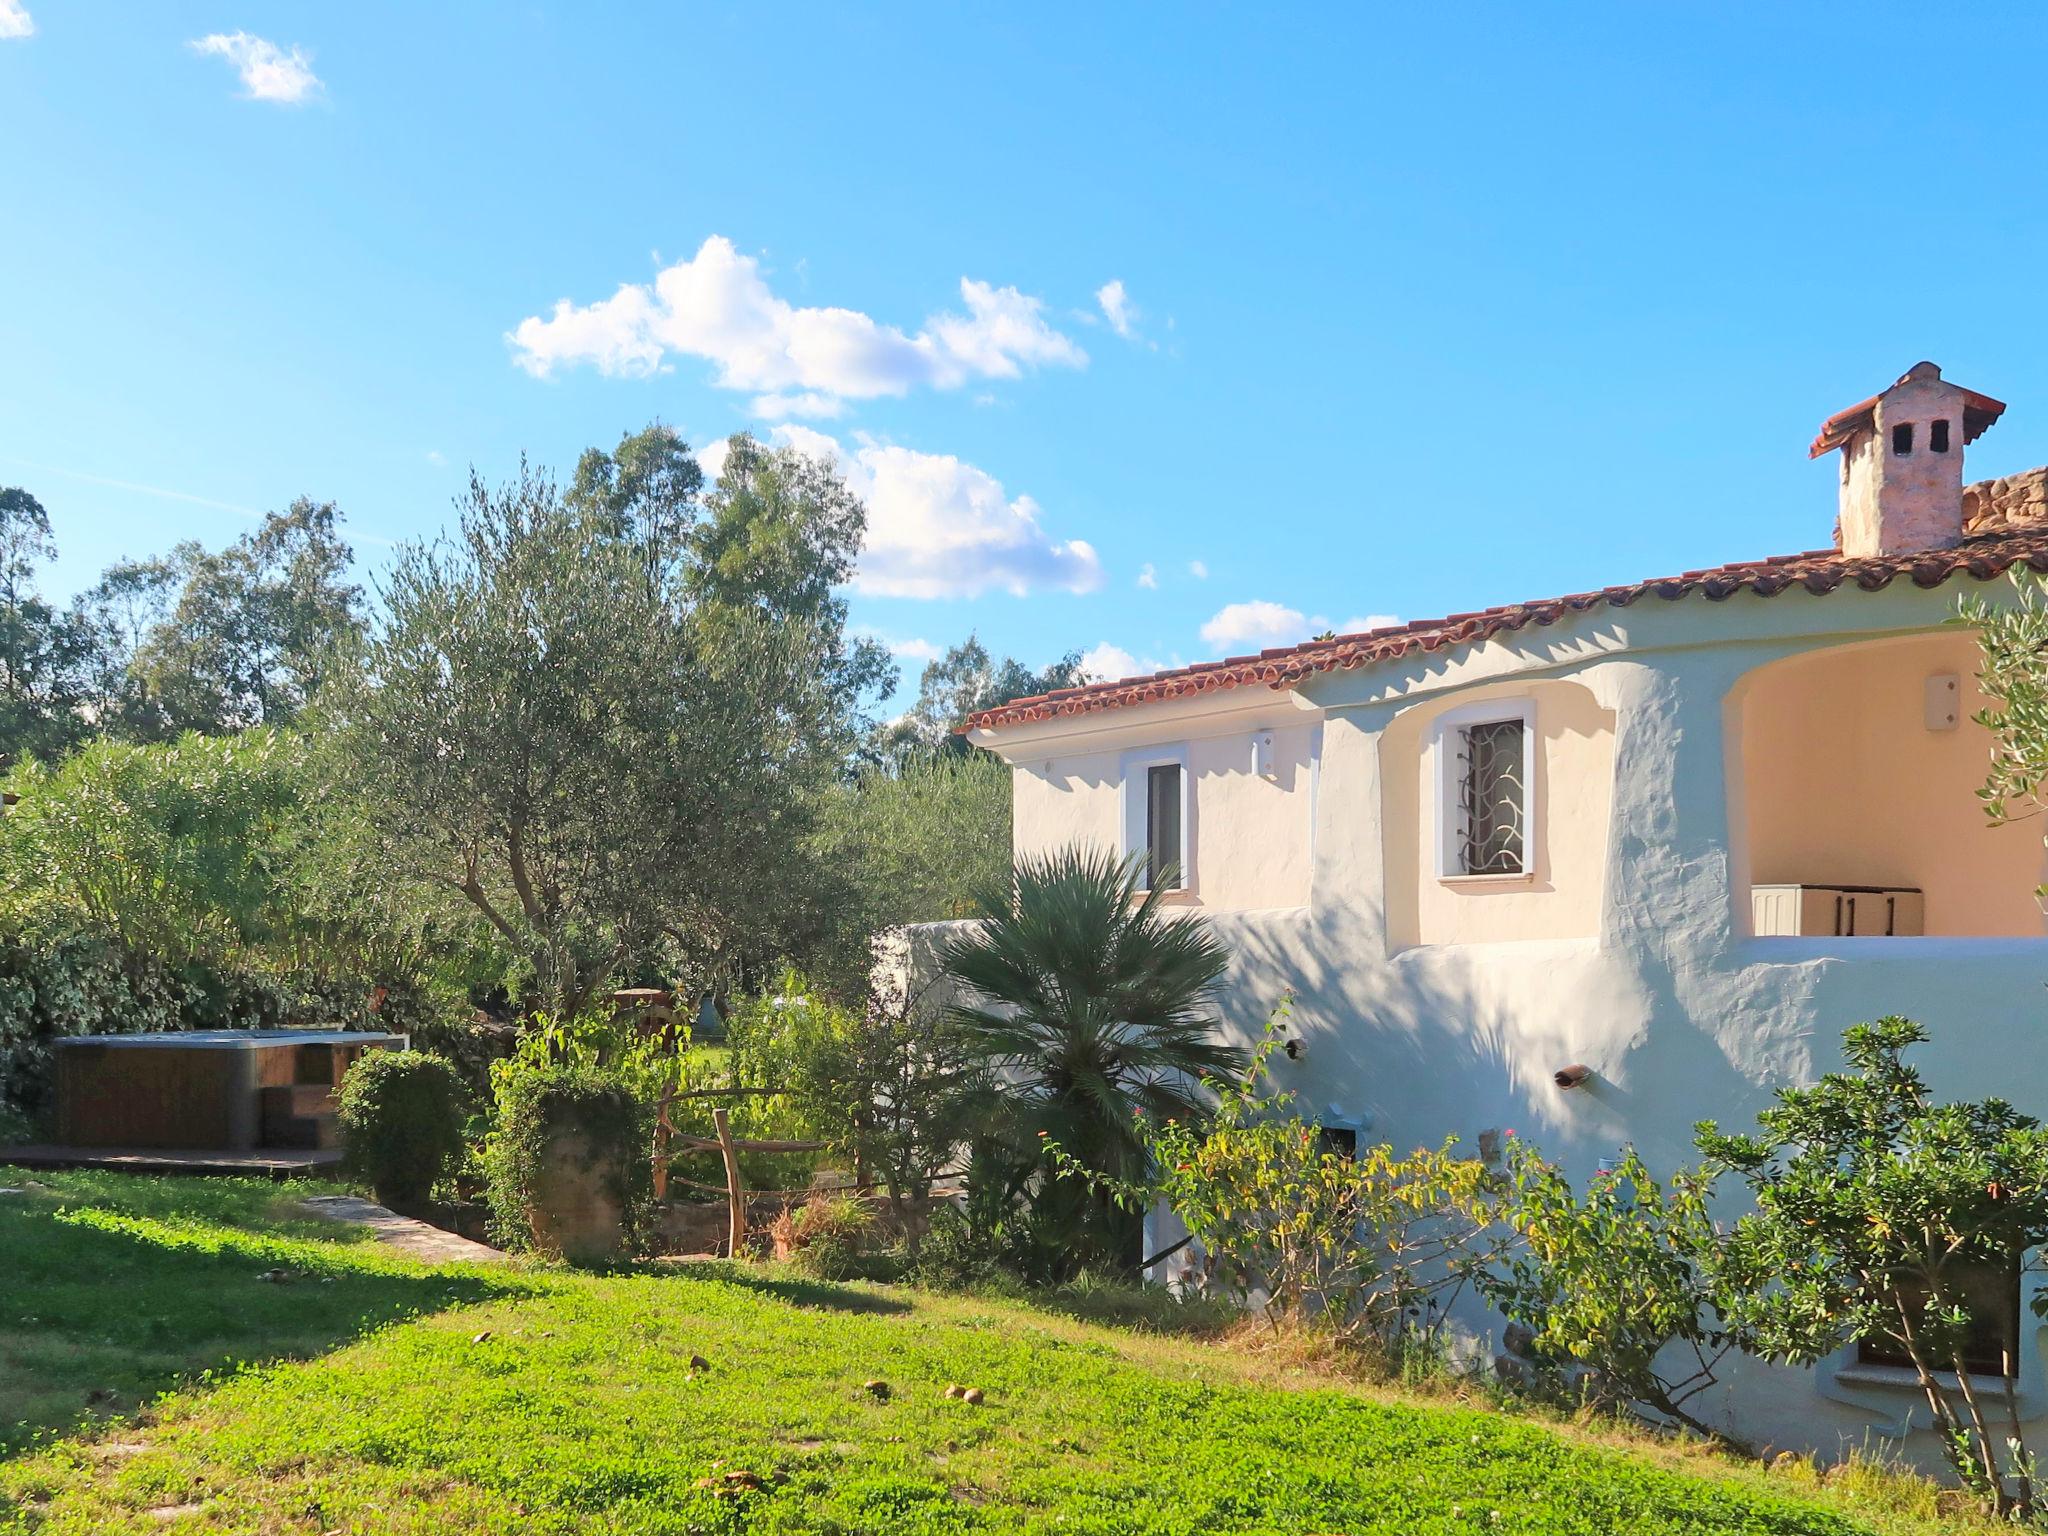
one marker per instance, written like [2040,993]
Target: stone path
[404,1233]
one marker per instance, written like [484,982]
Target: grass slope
[390,1397]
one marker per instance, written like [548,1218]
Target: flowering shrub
[1605,1283]
[1372,1248]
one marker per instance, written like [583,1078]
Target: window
[1937,436]
[1163,843]
[1338,1141]
[1902,439]
[1992,1346]
[1159,816]
[1485,767]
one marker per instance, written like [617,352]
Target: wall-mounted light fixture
[1262,755]
[1944,701]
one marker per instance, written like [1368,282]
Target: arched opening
[1857,806]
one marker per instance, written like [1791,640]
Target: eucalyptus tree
[43,653]
[235,637]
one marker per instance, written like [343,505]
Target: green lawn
[372,1394]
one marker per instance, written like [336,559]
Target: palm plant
[1092,1006]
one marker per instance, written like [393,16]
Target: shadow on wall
[1435,1044]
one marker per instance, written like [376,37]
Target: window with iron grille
[1488,773]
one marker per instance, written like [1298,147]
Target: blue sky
[1422,308]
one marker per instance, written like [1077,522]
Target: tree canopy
[604,730]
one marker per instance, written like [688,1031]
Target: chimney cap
[1979,412]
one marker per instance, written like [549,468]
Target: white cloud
[1107,663]
[711,457]
[15,20]
[940,528]
[1260,625]
[269,73]
[1199,569]
[716,305]
[1148,576]
[776,407]
[903,650]
[436,457]
[1118,309]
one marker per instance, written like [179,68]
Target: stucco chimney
[1902,463]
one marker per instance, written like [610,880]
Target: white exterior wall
[1248,836]
[1680,1014]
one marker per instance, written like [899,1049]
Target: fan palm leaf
[1092,1004]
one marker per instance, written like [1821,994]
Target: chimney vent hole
[1937,436]
[1902,439]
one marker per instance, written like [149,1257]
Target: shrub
[402,1112]
[1372,1249]
[582,1121]
[888,1088]
[1876,1210]
[1605,1283]
[824,1235]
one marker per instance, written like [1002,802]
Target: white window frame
[1444,770]
[1136,775]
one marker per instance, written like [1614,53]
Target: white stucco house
[1680,832]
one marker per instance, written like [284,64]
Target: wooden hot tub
[213,1090]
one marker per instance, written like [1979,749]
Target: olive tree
[561,722]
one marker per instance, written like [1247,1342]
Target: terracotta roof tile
[1819,571]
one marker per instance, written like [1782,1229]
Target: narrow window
[1163,851]
[1492,799]
[1902,439]
[1990,1346]
[1937,436]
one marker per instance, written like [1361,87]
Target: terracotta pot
[575,1211]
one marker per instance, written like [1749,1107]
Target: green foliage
[892,1089]
[252,631]
[605,749]
[174,850]
[1608,1281]
[1873,1205]
[2013,641]
[825,1235]
[200,883]
[539,1109]
[44,655]
[914,844]
[403,1113]
[956,685]
[555,1401]
[1371,1249]
[1092,1003]
[1094,1010]
[196,641]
